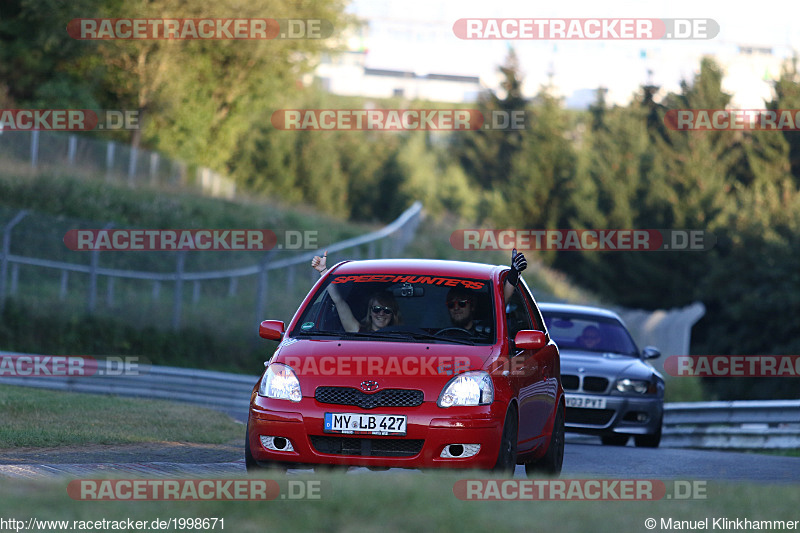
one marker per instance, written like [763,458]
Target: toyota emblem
[369,386]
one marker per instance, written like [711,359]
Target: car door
[529,371]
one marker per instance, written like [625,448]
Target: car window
[589,333]
[419,304]
[517,315]
[536,316]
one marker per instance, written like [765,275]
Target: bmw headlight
[280,382]
[468,389]
[638,386]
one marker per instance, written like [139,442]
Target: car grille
[366,447]
[382,398]
[593,384]
[593,417]
[571,382]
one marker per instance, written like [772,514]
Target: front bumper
[429,429]
[622,415]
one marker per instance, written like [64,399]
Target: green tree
[197,98]
[611,191]
[651,177]
[434,179]
[754,288]
[39,60]
[339,172]
[787,96]
[486,155]
[755,282]
[541,178]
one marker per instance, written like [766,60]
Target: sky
[417,35]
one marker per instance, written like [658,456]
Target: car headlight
[280,382]
[468,389]
[638,386]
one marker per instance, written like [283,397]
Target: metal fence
[113,161]
[388,241]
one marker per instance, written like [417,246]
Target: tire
[614,440]
[507,456]
[550,463]
[649,441]
[250,462]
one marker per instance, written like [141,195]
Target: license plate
[361,423]
[586,402]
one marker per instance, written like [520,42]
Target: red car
[413,364]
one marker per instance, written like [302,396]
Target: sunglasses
[377,309]
[461,303]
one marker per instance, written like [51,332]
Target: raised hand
[518,261]
[518,264]
[320,263]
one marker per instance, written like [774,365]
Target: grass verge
[42,418]
[399,502]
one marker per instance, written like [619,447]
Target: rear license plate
[586,402]
[360,423]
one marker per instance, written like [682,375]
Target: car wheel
[507,457]
[649,441]
[250,462]
[614,440]
[550,463]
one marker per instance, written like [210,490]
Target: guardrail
[770,424]
[220,390]
[724,425]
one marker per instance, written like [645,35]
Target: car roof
[419,267]
[578,309]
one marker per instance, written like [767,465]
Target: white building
[409,49]
[347,74]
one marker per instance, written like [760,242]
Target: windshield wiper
[320,333]
[426,336]
[343,334]
[398,335]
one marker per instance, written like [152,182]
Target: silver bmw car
[610,389]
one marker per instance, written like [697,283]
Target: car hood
[348,363]
[610,365]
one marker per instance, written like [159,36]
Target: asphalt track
[584,457]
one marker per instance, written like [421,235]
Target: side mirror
[271,329]
[651,352]
[530,339]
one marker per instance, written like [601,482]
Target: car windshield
[401,307]
[589,333]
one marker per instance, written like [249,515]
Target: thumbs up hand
[320,263]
